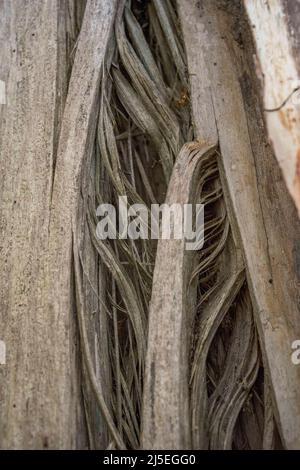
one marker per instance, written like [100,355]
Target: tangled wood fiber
[182,355]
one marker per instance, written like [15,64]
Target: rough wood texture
[261,213]
[40,189]
[276,32]
[72,170]
[35,36]
[166,420]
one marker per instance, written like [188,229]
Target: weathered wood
[72,172]
[166,420]
[255,196]
[40,402]
[33,36]
[275,27]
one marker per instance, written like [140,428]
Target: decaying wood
[166,420]
[214,314]
[98,103]
[40,402]
[276,31]
[254,218]
[74,161]
[34,376]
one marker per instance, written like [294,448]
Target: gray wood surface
[260,210]
[40,398]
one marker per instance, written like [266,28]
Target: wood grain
[260,211]
[166,419]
